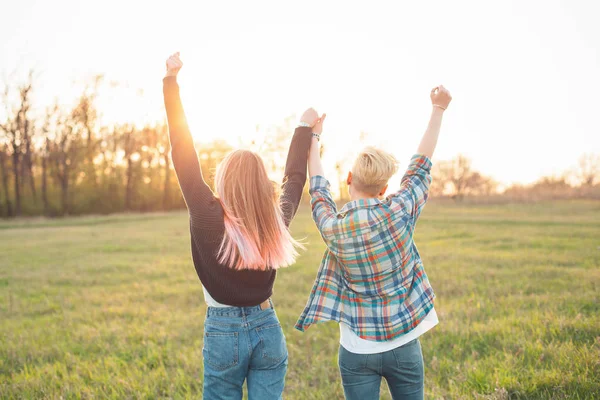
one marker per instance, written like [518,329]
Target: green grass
[111,307]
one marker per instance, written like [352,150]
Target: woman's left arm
[198,197]
[294,177]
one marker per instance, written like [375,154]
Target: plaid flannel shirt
[371,277]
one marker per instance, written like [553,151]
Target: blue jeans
[402,368]
[243,343]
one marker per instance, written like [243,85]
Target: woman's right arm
[440,99]
[324,209]
[414,187]
[198,196]
[314,156]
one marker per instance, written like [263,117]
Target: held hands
[440,97]
[311,118]
[174,64]
[318,128]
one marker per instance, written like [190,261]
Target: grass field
[111,307]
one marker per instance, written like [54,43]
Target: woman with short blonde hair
[372,280]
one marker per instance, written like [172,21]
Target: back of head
[255,234]
[372,170]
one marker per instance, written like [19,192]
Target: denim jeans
[401,367]
[243,343]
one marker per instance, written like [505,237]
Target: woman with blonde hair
[372,280]
[239,238]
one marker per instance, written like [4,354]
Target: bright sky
[525,75]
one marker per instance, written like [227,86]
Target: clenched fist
[174,64]
[440,97]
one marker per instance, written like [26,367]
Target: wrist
[171,74]
[438,108]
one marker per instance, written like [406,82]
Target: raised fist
[440,97]
[174,64]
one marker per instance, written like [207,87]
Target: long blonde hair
[256,236]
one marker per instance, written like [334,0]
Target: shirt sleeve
[324,210]
[414,187]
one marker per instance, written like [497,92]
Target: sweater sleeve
[198,196]
[295,173]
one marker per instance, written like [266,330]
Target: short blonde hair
[372,170]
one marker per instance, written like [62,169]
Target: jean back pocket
[351,361]
[221,349]
[272,349]
[409,355]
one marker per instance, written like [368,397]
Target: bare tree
[456,172]
[13,136]
[480,185]
[86,115]
[25,125]
[459,175]
[18,131]
[107,147]
[588,170]
[439,182]
[45,149]
[66,153]
[131,144]
[45,157]
[4,174]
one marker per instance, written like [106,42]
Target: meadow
[110,307]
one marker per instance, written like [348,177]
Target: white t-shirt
[355,344]
[210,301]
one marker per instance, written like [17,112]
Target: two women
[371,280]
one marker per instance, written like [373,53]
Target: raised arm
[314,156]
[440,98]
[294,177]
[324,209]
[414,187]
[198,196]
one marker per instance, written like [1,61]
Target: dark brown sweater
[241,288]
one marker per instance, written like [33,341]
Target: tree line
[457,179]
[65,162]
